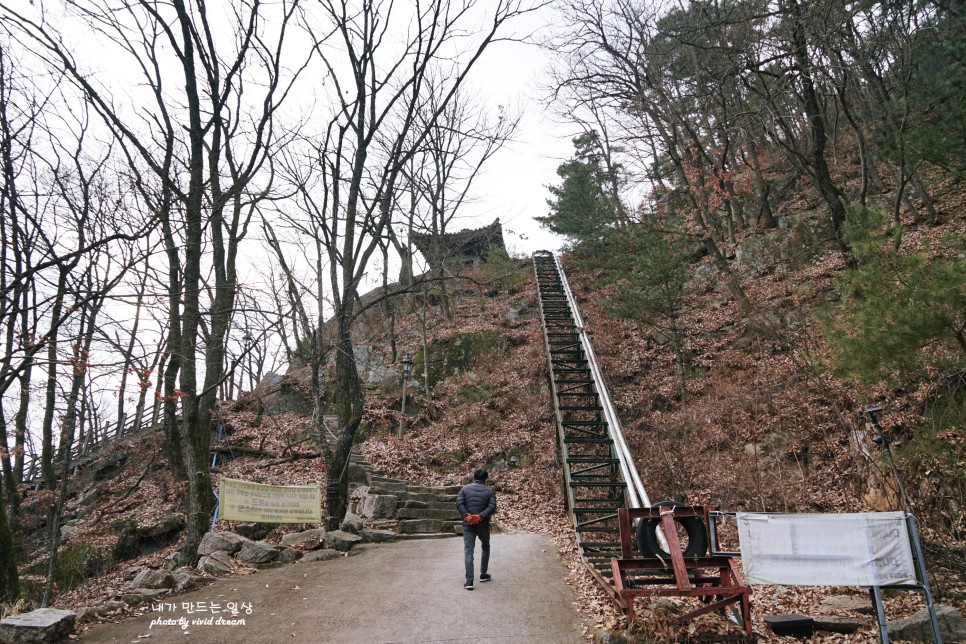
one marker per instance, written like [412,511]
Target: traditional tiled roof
[462,246]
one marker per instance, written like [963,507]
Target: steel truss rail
[599,473]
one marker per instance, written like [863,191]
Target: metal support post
[407,364]
[913,532]
[880,614]
[923,577]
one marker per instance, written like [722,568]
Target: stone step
[380,477]
[424,497]
[427,535]
[379,489]
[427,505]
[442,490]
[449,514]
[386,487]
[427,497]
[412,526]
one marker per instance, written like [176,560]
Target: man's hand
[473,519]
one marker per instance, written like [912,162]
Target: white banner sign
[868,549]
[245,501]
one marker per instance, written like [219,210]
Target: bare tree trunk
[424,334]
[28,330]
[9,483]
[129,353]
[173,356]
[144,384]
[9,578]
[348,403]
[79,362]
[816,119]
[765,213]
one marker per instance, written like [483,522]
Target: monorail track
[599,474]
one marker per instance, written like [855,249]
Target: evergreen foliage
[584,204]
[647,263]
[900,313]
[935,128]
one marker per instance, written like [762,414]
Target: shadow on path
[410,591]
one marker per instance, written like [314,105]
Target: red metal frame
[715,579]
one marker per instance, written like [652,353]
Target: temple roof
[465,245]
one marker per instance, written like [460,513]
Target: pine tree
[647,262]
[585,203]
[899,313]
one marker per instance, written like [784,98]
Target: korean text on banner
[244,501]
[867,549]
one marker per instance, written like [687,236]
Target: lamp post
[882,440]
[913,531]
[407,365]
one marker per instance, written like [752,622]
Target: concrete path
[411,591]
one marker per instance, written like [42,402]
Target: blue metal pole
[214,519]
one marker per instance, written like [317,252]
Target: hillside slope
[760,428]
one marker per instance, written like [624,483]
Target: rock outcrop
[42,626]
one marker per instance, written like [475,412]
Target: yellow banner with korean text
[255,502]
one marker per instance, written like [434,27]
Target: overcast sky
[513,187]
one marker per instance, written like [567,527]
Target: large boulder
[288,555]
[378,536]
[284,394]
[341,540]
[609,637]
[379,506]
[75,564]
[837,604]
[352,523]
[257,552]
[134,540]
[357,474]
[917,627]
[836,624]
[221,542]
[105,467]
[305,540]
[41,626]
[357,496]
[254,531]
[165,526]
[185,581]
[153,579]
[217,562]
[142,595]
[88,613]
[172,561]
[320,555]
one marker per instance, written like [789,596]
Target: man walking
[476,503]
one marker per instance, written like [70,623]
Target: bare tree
[199,149]
[618,52]
[382,62]
[440,178]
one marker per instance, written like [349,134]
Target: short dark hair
[480,474]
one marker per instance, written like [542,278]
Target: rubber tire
[647,535]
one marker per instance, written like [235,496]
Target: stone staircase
[412,511]
[415,511]
[383,503]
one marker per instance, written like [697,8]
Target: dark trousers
[470,533]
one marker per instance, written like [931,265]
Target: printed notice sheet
[244,501]
[867,549]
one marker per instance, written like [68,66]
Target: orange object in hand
[473,519]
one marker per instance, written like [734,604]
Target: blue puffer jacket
[476,498]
